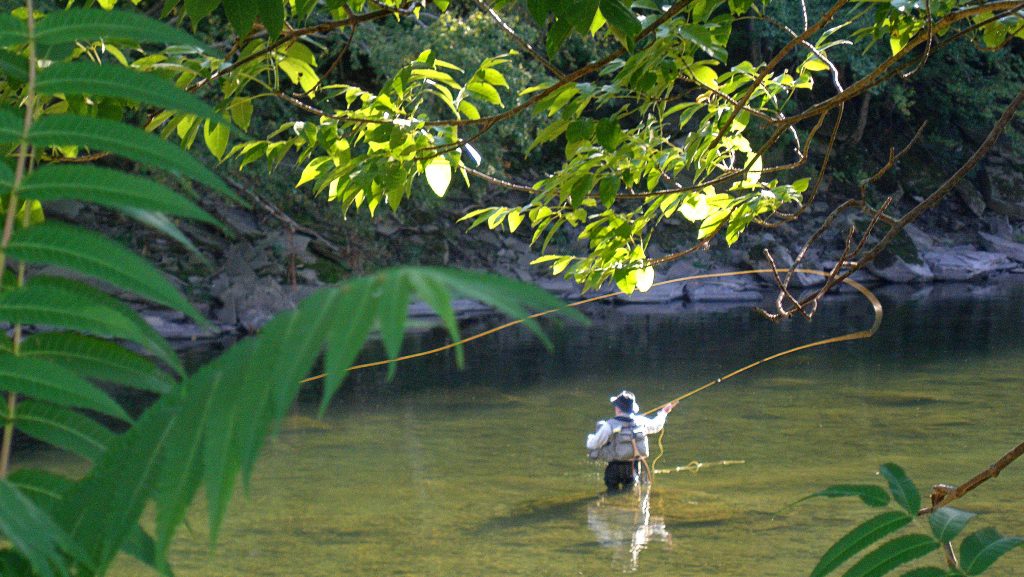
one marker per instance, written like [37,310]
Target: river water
[481,472]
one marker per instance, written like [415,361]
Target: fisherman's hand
[668,408]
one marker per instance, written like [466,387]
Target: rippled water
[482,472]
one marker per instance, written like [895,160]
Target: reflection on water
[482,473]
[623,522]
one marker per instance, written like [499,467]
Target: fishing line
[856,335]
[848,337]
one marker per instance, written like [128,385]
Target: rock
[658,294]
[173,325]
[241,221]
[462,307]
[999,225]
[724,289]
[998,244]
[922,241]
[64,209]
[559,286]
[965,263]
[971,197]
[897,270]
[308,276]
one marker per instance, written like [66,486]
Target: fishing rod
[856,335]
[876,305]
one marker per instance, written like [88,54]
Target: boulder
[1008,248]
[964,263]
[658,294]
[897,270]
[724,289]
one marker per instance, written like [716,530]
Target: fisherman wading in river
[622,440]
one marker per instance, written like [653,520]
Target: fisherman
[622,440]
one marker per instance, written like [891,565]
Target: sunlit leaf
[439,174]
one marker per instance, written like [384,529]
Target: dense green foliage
[978,551]
[650,111]
[60,526]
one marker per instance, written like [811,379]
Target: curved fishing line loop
[876,305]
[847,337]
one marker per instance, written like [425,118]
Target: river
[481,472]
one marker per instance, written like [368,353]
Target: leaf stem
[12,209]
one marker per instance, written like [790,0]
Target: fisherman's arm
[656,423]
[598,439]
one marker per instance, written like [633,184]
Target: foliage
[978,551]
[665,123]
[68,335]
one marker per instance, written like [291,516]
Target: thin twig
[943,495]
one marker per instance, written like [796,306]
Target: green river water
[482,472]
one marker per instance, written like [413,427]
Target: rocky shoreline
[247,288]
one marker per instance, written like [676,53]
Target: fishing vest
[628,441]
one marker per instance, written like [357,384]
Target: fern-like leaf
[69,304]
[92,254]
[98,359]
[89,79]
[33,533]
[85,25]
[62,428]
[55,384]
[128,141]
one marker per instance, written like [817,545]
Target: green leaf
[892,554]
[439,175]
[126,475]
[86,78]
[947,522]
[621,17]
[859,539]
[903,490]
[980,550]
[241,14]
[436,295]
[216,138]
[55,384]
[394,303]
[76,24]
[10,126]
[32,532]
[160,222]
[97,359]
[127,141]
[12,30]
[539,10]
[271,13]
[106,187]
[93,254]
[44,487]
[579,13]
[871,495]
[196,9]
[63,429]
[485,91]
[14,66]
[65,303]
[355,316]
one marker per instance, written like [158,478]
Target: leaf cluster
[977,551]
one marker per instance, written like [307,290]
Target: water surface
[482,472]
